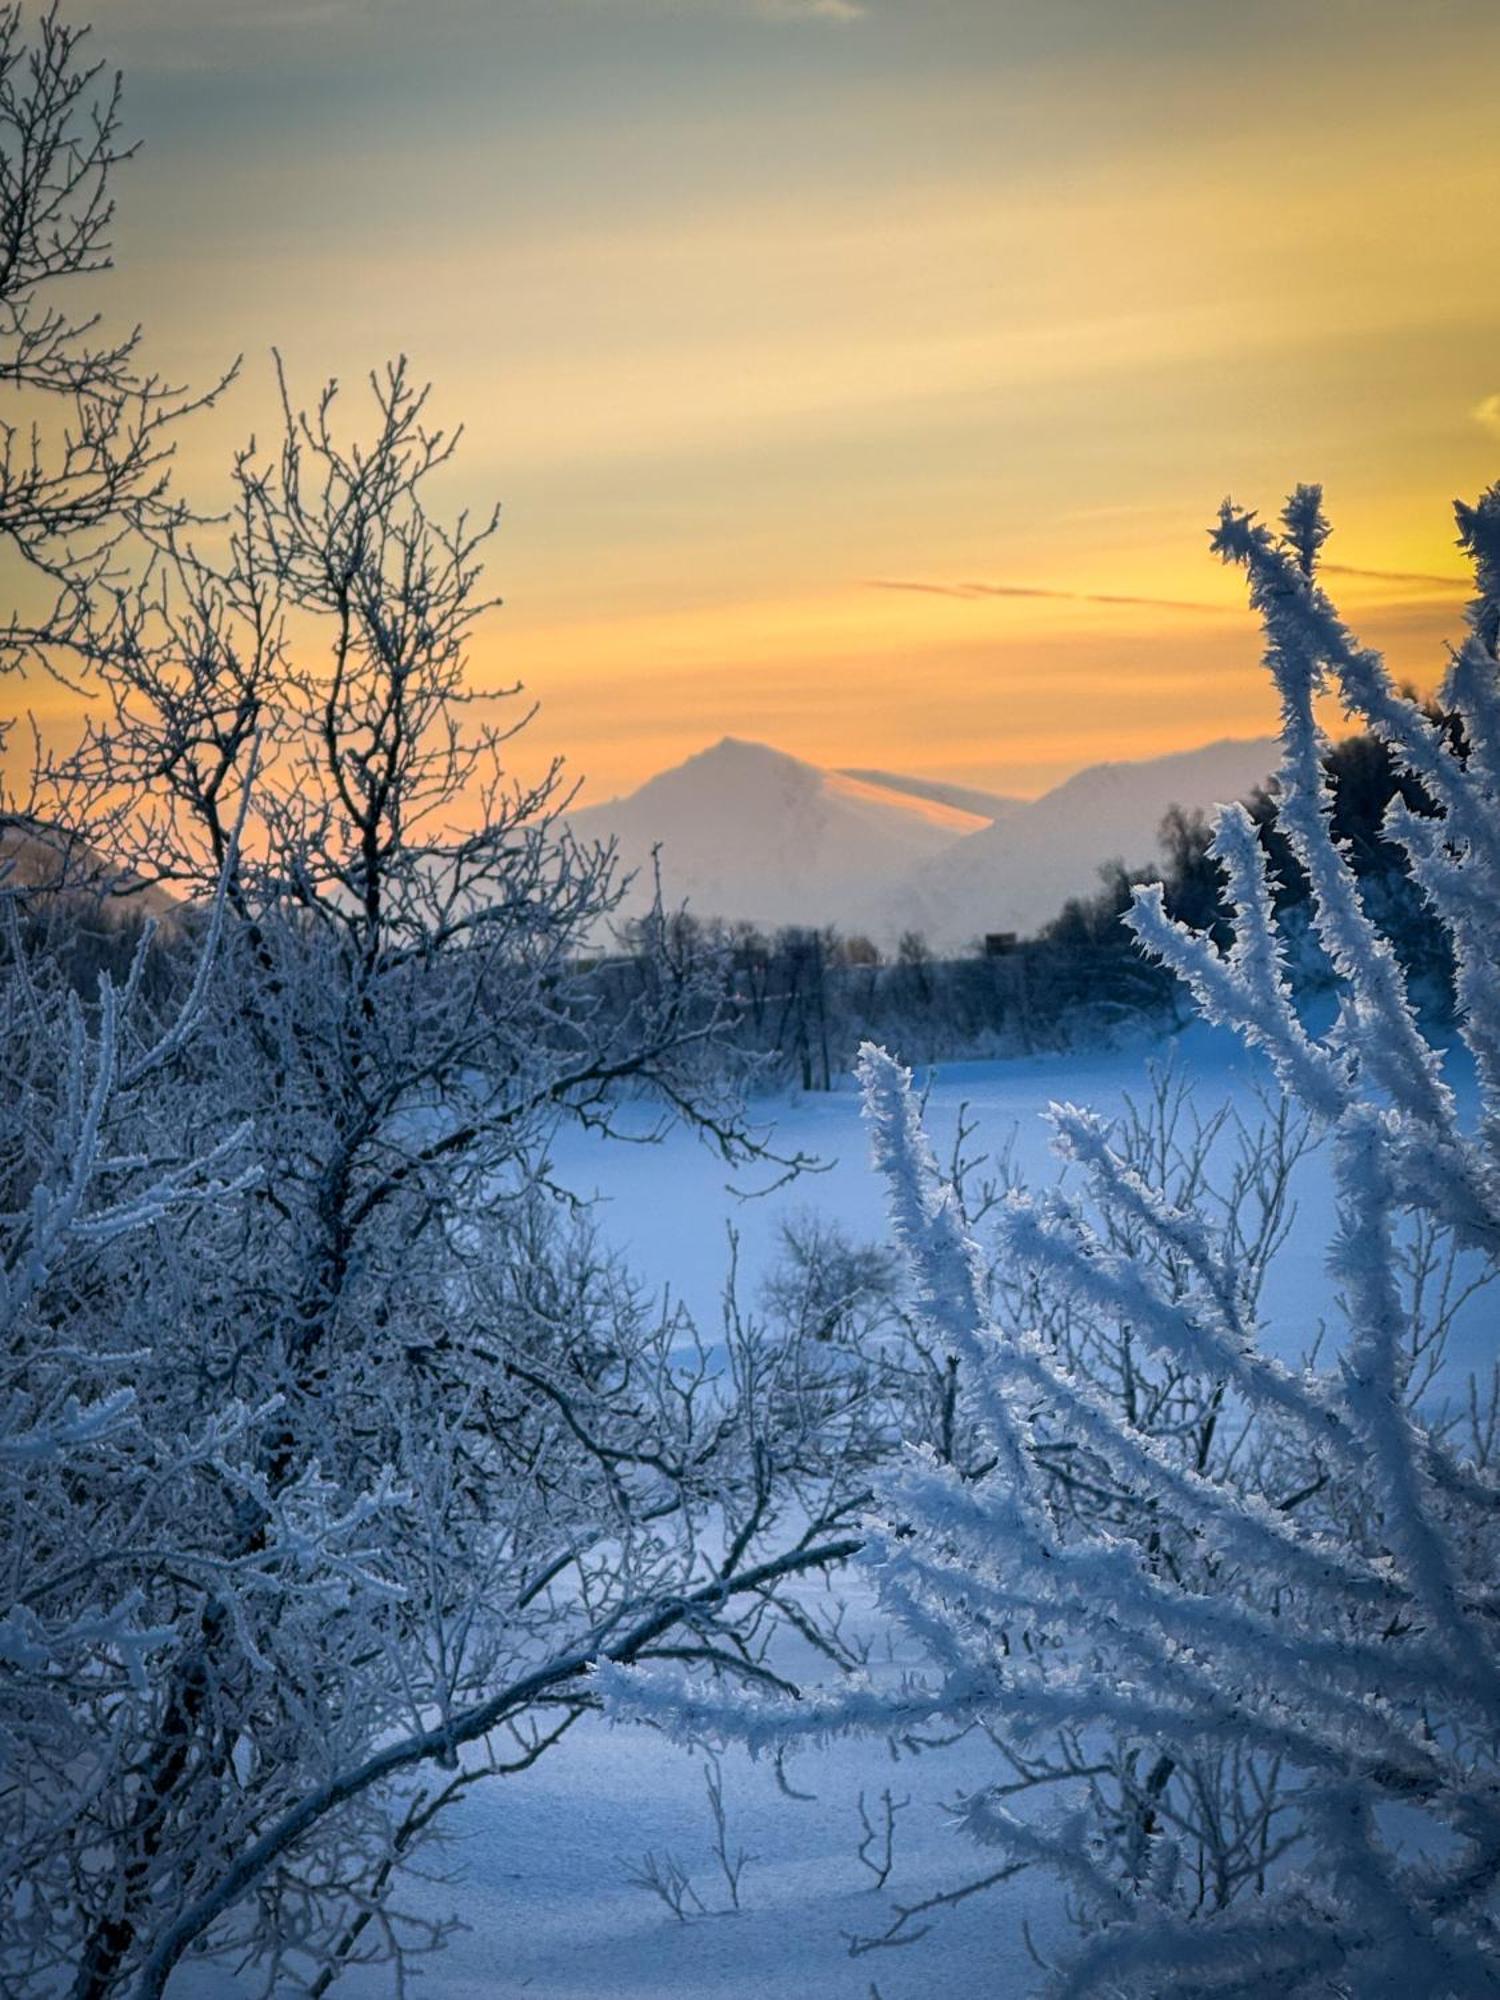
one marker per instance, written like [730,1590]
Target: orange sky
[756,308]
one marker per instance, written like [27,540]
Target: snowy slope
[749,832]
[1015,875]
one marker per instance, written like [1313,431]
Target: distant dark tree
[802,1029]
[914,957]
[1195,887]
[1364,782]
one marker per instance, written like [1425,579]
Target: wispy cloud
[1407,579]
[975,591]
[811,10]
[1487,414]
[1418,579]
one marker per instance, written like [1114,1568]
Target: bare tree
[418,1453]
[86,432]
[373,1447]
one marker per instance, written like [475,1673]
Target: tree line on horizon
[800,1000]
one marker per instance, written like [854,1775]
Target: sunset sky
[777,325]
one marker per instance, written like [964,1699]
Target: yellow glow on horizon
[966,317]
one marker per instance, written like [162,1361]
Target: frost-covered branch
[1236,1617]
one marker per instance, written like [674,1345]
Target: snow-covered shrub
[96,1171]
[210,1634]
[1260,1685]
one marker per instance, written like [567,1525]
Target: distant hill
[1017,874]
[747,832]
[967,798]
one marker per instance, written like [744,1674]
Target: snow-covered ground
[670,1207]
[538,1864]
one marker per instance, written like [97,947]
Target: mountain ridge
[747,832]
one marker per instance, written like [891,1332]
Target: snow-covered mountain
[1017,874]
[746,831]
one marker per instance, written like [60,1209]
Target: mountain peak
[748,831]
[746,750]
[734,765]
